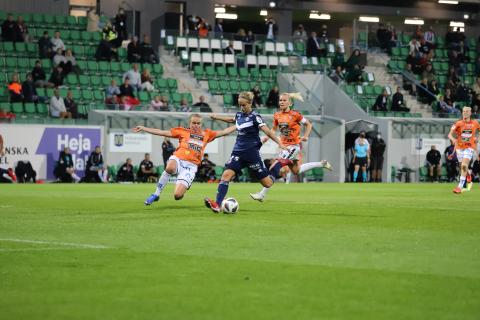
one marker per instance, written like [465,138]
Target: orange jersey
[192,145]
[466,132]
[289,124]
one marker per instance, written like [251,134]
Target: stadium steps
[377,65]
[186,83]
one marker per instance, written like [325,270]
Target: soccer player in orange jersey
[463,136]
[185,160]
[289,123]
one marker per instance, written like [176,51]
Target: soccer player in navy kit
[246,152]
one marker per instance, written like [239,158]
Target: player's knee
[170,170]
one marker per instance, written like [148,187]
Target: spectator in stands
[273,98]
[422,89]
[354,75]
[353,61]
[134,76]
[451,162]
[463,93]
[134,52]
[57,43]
[71,106]
[92,21]
[475,105]
[125,172]
[429,73]
[146,79]
[57,106]
[240,35]
[112,93]
[426,48]
[167,150]
[59,60]
[15,89]
[218,29]
[414,48]
[392,38]
[65,168]
[434,90]
[29,91]
[337,75]
[413,61]
[184,107]
[121,24]
[446,105]
[127,96]
[22,30]
[206,170]
[313,46]
[338,59]
[257,97]
[300,34]
[323,36]
[452,81]
[398,104]
[204,107]
[106,51]
[248,42]
[409,80]
[429,36]
[377,149]
[476,86]
[455,62]
[203,28]
[146,170]
[71,62]
[166,103]
[157,104]
[95,171]
[382,102]
[229,49]
[57,76]
[433,164]
[148,54]
[382,36]
[9,29]
[271,29]
[45,46]
[39,76]
[477,64]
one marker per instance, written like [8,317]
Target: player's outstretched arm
[308,129]
[272,136]
[451,137]
[226,131]
[221,118]
[156,132]
[273,131]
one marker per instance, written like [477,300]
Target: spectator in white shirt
[429,36]
[57,107]
[414,47]
[134,76]
[57,43]
[59,59]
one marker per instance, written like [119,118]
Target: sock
[105,175]
[162,182]
[6,176]
[75,177]
[275,170]
[308,166]
[355,176]
[288,177]
[364,176]
[264,190]
[100,175]
[222,191]
[462,182]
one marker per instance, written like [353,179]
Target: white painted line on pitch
[66,244]
[6,206]
[38,249]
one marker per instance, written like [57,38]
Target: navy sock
[222,191]
[275,171]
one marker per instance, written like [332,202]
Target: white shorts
[291,153]
[185,171]
[464,154]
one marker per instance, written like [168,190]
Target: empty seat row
[223,73]
[223,87]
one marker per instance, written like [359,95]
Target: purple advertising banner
[80,141]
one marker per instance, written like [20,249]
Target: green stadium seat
[96,81]
[49,19]
[198,72]
[161,84]
[82,21]
[23,64]
[228,100]
[17,107]
[87,95]
[46,64]
[232,72]
[255,73]
[125,66]
[87,36]
[11,63]
[72,80]
[37,19]
[143,97]
[176,98]
[188,97]
[172,84]
[243,72]
[234,86]
[32,49]
[223,86]
[115,67]
[97,37]
[103,67]
[60,20]
[122,53]
[92,66]
[244,86]
[222,72]
[213,86]
[84,80]
[42,109]
[90,51]
[8,48]
[76,94]
[98,95]
[210,72]
[30,108]
[72,21]
[106,81]
[158,69]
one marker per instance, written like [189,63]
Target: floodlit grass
[311,251]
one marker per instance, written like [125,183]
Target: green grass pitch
[312,251]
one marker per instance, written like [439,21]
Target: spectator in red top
[15,89]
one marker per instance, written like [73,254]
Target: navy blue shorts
[250,159]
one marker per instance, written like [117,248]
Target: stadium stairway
[186,82]
[377,64]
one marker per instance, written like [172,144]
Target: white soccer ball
[230,205]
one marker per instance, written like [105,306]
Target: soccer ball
[230,205]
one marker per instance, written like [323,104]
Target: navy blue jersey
[248,136]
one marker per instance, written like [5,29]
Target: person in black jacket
[451,162]
[313,45]
[9,29]
[95,171]
[147,52]
[65,168]
[24,172]
[121,24]
[45,46]
[398,104]
[381,102]
[273,98]
[206,169]
[433,164]
[57,76]
[125,172]
[271,29]
[134,51]
[146,170]
[167,150]
[377,149]
[39,77]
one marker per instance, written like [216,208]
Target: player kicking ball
[246,152]
[289,122]
[185,160]
[463,136]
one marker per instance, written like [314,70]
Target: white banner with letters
[130,142]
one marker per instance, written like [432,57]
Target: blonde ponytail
[294,96]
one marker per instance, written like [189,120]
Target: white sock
[6,176]
[309,166]
[75,177]
[288,177]
[264,191]
[162,182]
[462,182]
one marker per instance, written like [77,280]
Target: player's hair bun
[246,95]
[295,96]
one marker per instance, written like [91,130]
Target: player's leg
[439,172]
[355,172]
[430,172]
[463,163]
[222,190]
[262,174]
[170,169]
[186,175]
[364,173]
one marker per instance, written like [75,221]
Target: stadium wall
[37,6]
